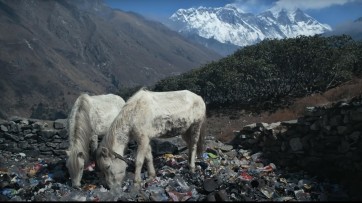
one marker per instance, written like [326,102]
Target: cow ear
[67,152]
[80,155]
[104,152]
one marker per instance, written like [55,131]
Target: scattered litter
[179,197]
[89,187]
[8,192]
[90,166]
[247,175]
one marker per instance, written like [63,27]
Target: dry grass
[226,135]
[222,125]
[347,91]
[280,115]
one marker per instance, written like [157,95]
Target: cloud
[353,29]
[257,6]
[310,4]
[252,6]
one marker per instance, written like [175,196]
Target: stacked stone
[326,141]
[34,137]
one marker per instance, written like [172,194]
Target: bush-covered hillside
[273,72]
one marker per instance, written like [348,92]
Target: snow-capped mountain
[231,25]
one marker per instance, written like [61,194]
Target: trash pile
[224,173]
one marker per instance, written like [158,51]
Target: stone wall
[324,137]
[33,137]
[325,142]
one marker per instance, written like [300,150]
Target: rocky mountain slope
[231,25]
[51,51]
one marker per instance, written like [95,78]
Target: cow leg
[194,137]
[93,145]
[186,138]
[150,166]
[142,150]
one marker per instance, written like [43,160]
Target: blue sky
[332,12]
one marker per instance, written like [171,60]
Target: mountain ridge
[229,24]
[51,51]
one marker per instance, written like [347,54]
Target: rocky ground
[225,173]
[31,167]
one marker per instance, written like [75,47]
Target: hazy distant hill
[50,51]
[352,28]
